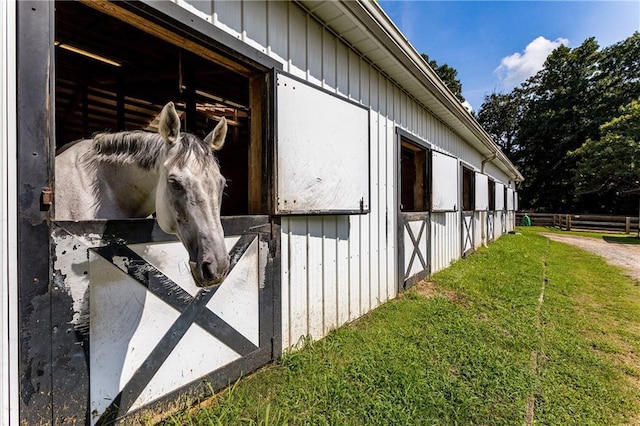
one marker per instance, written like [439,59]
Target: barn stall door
[468,211]
[145,333]
[481,208]
[491,213]
[322,151]
[500,207]
[414,219]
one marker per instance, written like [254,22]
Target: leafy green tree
[552,123]
[556,120]
[500,116]
[617,82]
[449,76]
[608,168]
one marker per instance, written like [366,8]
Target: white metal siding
[8,227]
[445,239]
[337,268]
[334,269]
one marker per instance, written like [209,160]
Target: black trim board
[34,21]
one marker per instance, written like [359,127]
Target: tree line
[573,129]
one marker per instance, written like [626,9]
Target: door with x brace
[148,335]
[415,256]
[414,224]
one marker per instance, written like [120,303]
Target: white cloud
[468,106]
[516,68]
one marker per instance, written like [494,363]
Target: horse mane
[134,147]
[145,149]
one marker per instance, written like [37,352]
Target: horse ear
[169,123]
[215,139]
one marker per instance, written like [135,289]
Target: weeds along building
[352,173]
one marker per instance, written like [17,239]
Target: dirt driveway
[626,256]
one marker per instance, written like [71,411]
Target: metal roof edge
[379,25]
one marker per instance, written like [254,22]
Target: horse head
[189,196]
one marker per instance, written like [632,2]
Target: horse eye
[175,185]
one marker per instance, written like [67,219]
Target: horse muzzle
[209,273]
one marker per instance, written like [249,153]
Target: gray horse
[133,174]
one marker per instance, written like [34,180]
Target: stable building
[352,171]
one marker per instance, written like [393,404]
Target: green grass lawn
[524,331]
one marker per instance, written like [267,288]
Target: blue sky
[495,45]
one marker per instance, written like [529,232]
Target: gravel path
[625,255]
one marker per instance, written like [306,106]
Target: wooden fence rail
[625,224]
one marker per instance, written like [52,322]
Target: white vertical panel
[343,273]
[329,273]
[372,284]
[285,281]
[365,259]
[365,76]
[391,224]
[342,69]
[277,18]
[398,105]
[254,24]
[354,75]
[355,266]
[329,61]
[297,42]
[298,294]
[314,49]
[8,226]
[381,260]
[315,297]
[374,92]
[227,15]
[378,262]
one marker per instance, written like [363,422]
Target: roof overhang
[368,29]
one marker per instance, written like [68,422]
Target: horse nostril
[206,271]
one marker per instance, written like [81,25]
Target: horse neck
[127,179]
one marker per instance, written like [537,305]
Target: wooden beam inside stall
[112,9]
[256,93]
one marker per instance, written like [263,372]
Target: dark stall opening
[111,76]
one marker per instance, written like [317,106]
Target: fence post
[568,222]
[627,228]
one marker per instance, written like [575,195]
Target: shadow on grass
[621,239]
